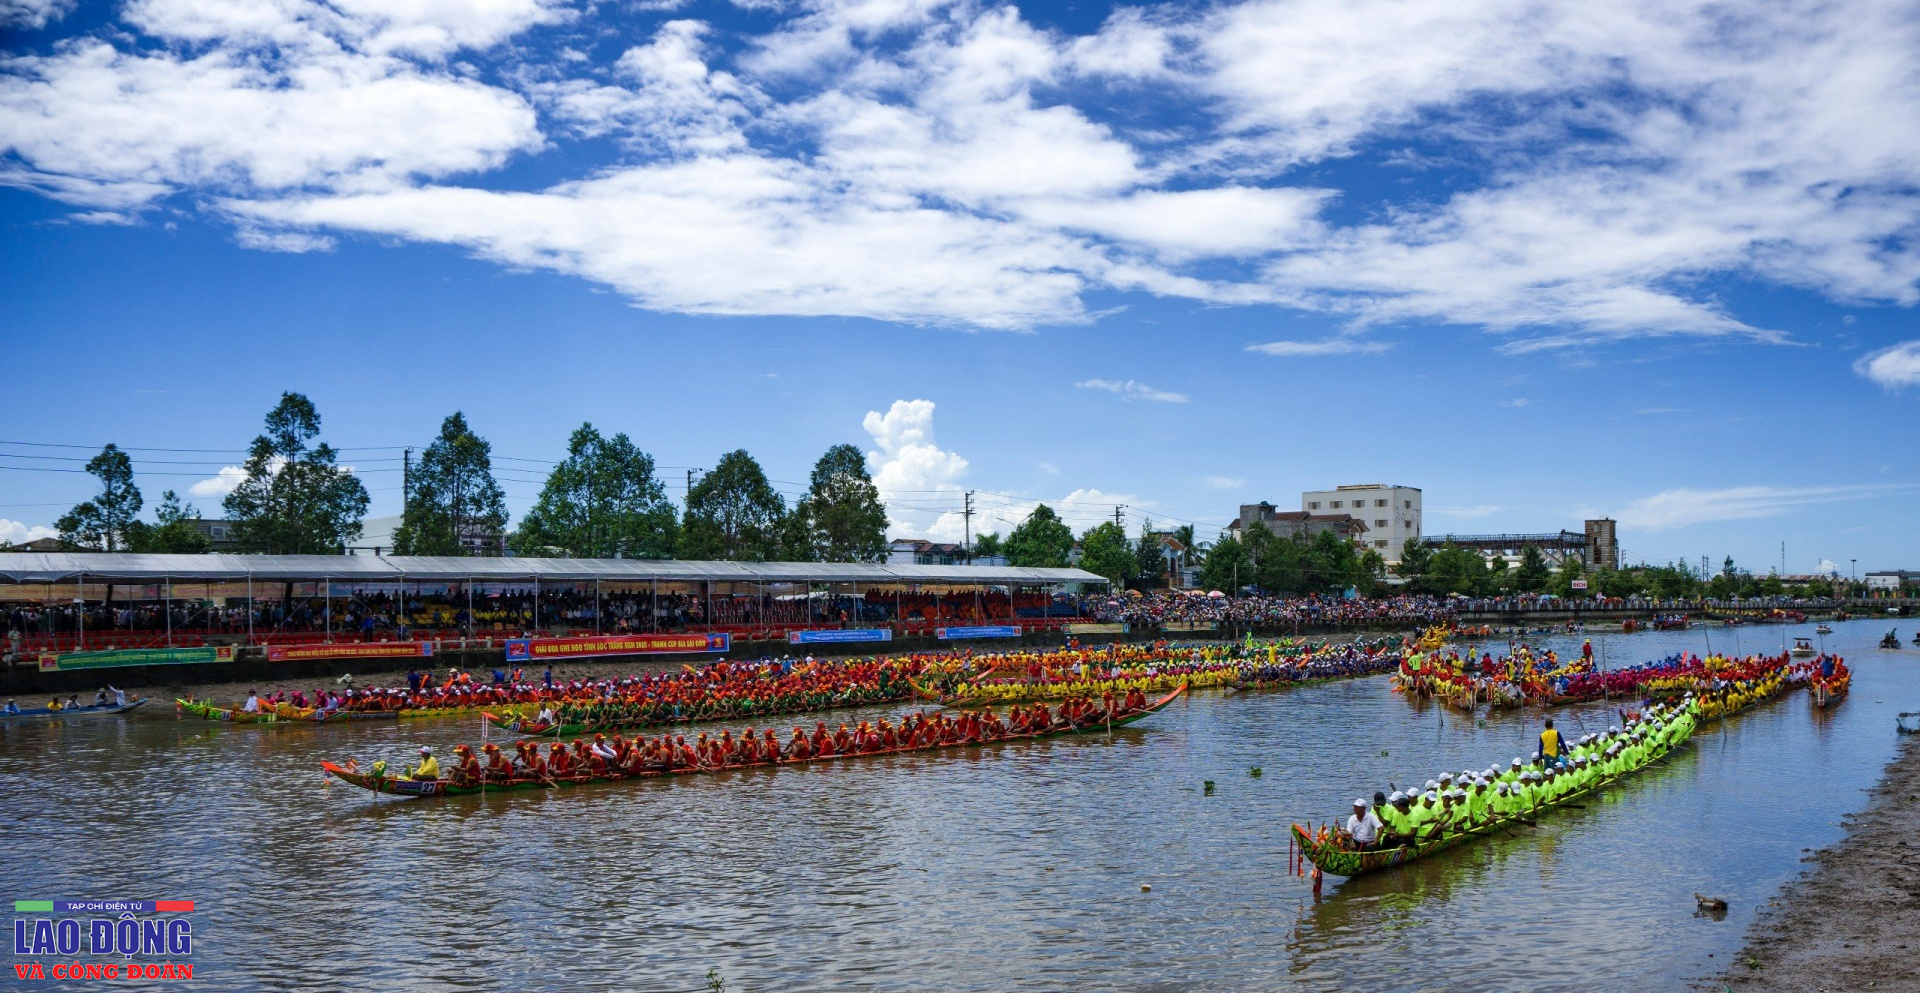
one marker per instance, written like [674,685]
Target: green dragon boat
[280,714]
[1335,860]
[378,782]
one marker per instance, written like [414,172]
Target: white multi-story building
[1391,513]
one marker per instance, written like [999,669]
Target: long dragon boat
[379,782]
[528,727]
[277,714]
[1330,857]
[1327,855]
[65,713]
[985,693]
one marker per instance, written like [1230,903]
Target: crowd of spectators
[1295,612]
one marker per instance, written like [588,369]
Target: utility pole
[966,516]
[1119,511]
[406,485]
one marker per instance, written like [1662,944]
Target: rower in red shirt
[466,768]
[499,770]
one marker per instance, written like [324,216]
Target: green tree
[986,546]
[1415,557]
[1226,566]
[1192,549]
[1264,554]
[734,514]
[1456,570]
[175,534]
[451,494]
[1532,575]
[101,524]
[1498,579]
[1669,582]
[841,516]
[1105,551]
[295,500]
[1041,541]
[1373,568]
[1150,560]
[602,501]
[1621,583]
[1571,569]
[1288,565]
[1331,563]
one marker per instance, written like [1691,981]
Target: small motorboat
[1892,640]
[1824,628]
[1802,648]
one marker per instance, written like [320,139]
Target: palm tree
[1194,550]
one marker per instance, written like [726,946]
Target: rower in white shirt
[1364,825]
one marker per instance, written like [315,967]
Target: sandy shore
[1852,922]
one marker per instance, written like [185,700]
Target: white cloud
[100,217]
[292,242]
[33,14]
[1079,509]
[112,128]
[1827,567]
[14,532]
[1223,482]
[226,481]
[1132,389]
[1892,367]
[916,478]
[1328,346]
[1517,402]
[947,162]
[1683,507]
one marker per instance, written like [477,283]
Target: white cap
[1431,785]
[1396,797]
[1359,803]
[424,750]
[1430,797]
[1516,761]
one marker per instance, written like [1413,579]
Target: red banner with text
[531,649]
[364,650]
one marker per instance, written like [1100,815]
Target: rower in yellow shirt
[428,769]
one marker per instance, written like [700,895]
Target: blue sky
[1543,262]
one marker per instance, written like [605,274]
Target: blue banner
[955,634]
[827,637]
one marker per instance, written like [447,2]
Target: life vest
[1550,742]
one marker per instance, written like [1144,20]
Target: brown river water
[1016,866]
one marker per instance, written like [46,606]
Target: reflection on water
[1010,867]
